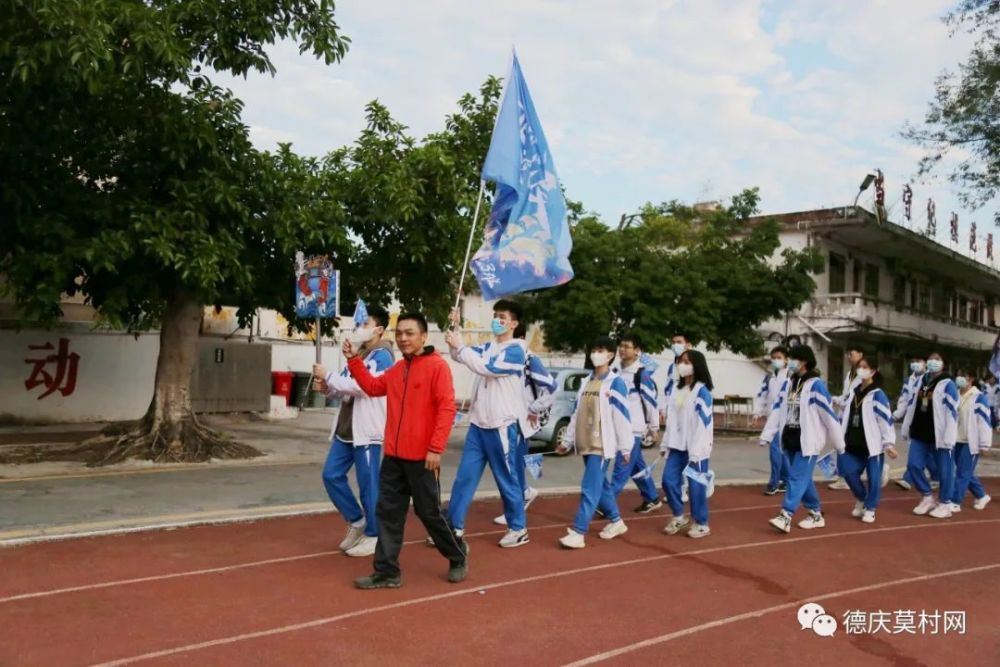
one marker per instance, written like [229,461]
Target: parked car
[567,385]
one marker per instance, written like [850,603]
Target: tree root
[186,441]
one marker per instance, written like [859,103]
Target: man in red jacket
[420,412]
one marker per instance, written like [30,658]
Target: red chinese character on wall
[64,378]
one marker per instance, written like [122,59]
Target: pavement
[58,500]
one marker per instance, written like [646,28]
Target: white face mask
[362,336]
[793,365]
[917,367]
[777,364]
[864,373]
[961,382]
[684,370]
[599,359]
[678,349]
[935,365]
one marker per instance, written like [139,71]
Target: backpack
[637,381]
[543,418]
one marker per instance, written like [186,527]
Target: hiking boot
[376,580]
[457,572]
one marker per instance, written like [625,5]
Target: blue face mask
[961,382]
[497,327]
[793,365]
[935,365]
[678,349]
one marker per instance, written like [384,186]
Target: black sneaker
[377,580]
[457,572]
[782,487]
[648,506]
[770,490]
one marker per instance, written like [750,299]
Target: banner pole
[468,249]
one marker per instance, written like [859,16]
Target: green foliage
[129,176]
[961,119]
[711,275]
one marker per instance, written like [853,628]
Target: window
[899,291]
[940,301]
[838,274]
[976,311]
[963,309]
[924,298]
[856,276]
[871,280]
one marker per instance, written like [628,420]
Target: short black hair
[516,311]
[700,365]
[803,353]
[687,339]
[856,348]
[918,355]
[416,317]
[779,349]
[380,315]
[603,343]
[631,338]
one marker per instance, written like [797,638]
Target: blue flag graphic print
[360,313]
[526,242]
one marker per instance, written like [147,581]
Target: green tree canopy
[711,275]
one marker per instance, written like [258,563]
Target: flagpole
[468,248]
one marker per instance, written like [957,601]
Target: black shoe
[648,506]
[457,572]
[770,490]
[782,487]
[376,580]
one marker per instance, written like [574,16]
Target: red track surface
[203,595]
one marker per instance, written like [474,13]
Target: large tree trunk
[169,431]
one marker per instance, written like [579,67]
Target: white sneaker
[954,507]
[355,532]
[981,503]
[514,538]
[529,497]
[699,530]
[676,524]
[868,516]
[941,511]
[613,530]
[572,540]
[859,509]
[783,522]
[500,520]
[838,485]
[903,484]
[813,520]
[364,547]
[927,503]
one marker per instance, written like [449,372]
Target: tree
[129,177]
[708,274]
[961,119]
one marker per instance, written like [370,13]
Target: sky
[649,100]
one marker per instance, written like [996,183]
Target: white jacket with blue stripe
[691,426]
[876,420]
[498,393]
[980,426]
[368,418]
[909,387]
[820,424]
[616,423]
[642,403]
[537,375]
[945,405]
[767,394]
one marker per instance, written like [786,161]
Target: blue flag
[360,313]
[526,242]
[533,464]
[995,359]
[827,465]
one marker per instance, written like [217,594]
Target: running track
[276,592]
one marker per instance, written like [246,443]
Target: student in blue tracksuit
[645,421]
[539,394]
[357,437]
[918,367]
[931,426]
[494,421]
[687,444]
[599,429]
[770,388]
[975,436]
[851,381]
[805,419]
[868,435]
[678,344]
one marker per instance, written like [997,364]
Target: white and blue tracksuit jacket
[770,389]
[368,417]
[979,427]
[851,382]
[544,384]
[669,385]
[691,427]
[616,422]
[876,421]
[498,393]
[909,388]
[820,424]
[945,406]
[642,404]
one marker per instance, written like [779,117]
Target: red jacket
[420,410]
